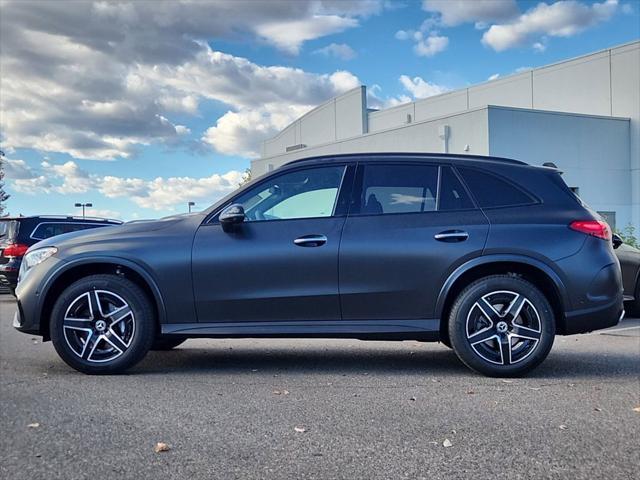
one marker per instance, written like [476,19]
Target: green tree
[246,177]
[628,235]
[3,195]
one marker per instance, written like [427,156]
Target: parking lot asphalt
[324,409]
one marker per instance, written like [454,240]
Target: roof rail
[66,217]
[414,154]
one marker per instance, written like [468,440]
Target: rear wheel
[102,324]
[501,326]
[167,343]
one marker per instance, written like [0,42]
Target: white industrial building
[582,114]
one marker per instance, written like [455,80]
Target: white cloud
[99,212]
[431,45]
[561,19]
[456,12]
[290,35]
[169,193]
[17,169]
[419,88]
[240,133]
[494,76]
[100,80]
[337,50]
[157,194]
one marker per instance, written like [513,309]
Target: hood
[97,234]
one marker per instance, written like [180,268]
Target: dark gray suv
[492,257]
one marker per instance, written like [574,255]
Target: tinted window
[306,193]
[453,195]
[8,229]
[491,191]
[50,229]
[398,189]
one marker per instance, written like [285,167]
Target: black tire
[513,346]
[75,329]
[164,343]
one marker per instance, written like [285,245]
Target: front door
[281,264]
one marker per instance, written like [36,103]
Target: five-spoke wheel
[102,324]
[99,326]
[501,326]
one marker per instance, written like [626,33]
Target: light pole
[191,204]
[83,205]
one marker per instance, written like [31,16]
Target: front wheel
[501,326]
[102,324]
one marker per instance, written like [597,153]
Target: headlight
[33,258]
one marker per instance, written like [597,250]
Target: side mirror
[231,216]
[617,241]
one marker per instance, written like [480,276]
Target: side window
[75,227]
[453,195]
[398,189]
[306,193]
[47,230]
[492,191]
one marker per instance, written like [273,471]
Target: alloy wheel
[503,327]
[99,326]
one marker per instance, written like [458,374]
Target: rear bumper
[583,321]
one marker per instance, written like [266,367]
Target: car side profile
[492,257]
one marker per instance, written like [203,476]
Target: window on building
[492,191]
[305,193]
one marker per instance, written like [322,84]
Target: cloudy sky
[142,106]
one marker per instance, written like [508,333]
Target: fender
[497,258]
[104,259]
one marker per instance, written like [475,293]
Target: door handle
[451,236]
[310,241]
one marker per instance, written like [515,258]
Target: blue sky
[140,107]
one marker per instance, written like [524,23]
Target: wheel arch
[531,269]
[77,269]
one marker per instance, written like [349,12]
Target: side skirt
[425,330]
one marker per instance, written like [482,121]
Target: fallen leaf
[447,443]
[637,409]
[413,399]
[281,392]
[563,427]
[33,425]
[300,429]
[161,447]
[470,392]
[454,432]
[597,409]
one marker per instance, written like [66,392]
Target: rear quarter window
[492,191]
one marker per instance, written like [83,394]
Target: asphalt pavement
[323,409]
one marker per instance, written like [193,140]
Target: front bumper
[29,293]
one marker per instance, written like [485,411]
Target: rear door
[409,226]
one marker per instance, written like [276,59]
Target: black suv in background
[17,234]
[490,256]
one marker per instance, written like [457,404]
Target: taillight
[595,228]
[15,250]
